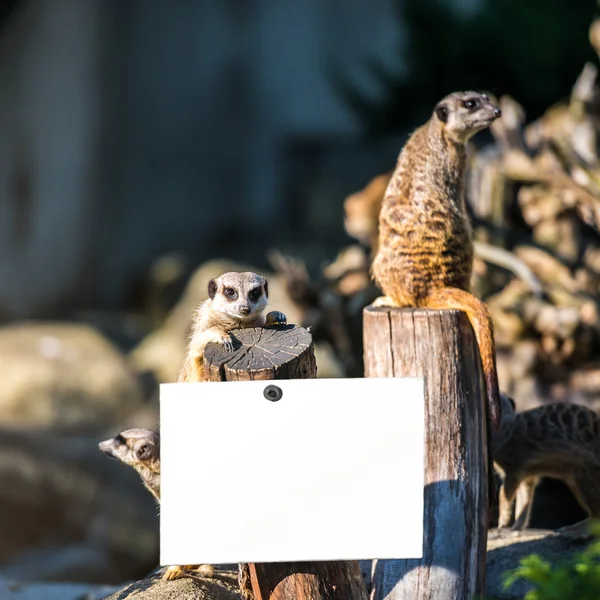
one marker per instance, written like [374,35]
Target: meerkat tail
[481,321]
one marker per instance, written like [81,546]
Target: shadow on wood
[282,353]
[441,347]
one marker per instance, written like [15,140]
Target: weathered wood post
[282,353]
[441,347]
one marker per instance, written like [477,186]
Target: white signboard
[331,470]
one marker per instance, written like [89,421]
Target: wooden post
[441,347]
[282,353]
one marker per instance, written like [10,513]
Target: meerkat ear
[441,110]
[143,452]
[266,286]
[212,288]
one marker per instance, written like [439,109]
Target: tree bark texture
[439,346]
[263,353]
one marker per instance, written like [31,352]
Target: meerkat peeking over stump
[425,251]
[235,301]
[140,449]
[558,440]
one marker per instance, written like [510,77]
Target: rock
[506,550]
[69,513]
[56,591]
[63,375]
[163,351]
[223,586]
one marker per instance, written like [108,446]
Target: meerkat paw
[383,301]
[275,318]
[227,342]
[577,531]
[178,572]
[174,572]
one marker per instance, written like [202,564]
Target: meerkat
[425,253]
[140,449]
[558,440]
[361,221]
[235,301]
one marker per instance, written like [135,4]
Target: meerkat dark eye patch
[230,293]
[255,294]
[120,439]
[471,103]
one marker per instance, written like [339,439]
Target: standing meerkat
[558,440]
[425,252]
[140,449]
[361,221]
[235,301]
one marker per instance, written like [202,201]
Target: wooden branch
[441,347]
[282,353]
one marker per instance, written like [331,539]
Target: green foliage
[533,50]
[577,578]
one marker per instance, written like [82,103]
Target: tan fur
[361,221]
[218,315]
[140,449]
[425,254]
[557,440]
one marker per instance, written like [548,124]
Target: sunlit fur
[139,449]
[425,253]
[220,314]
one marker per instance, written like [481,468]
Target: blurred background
[147,146]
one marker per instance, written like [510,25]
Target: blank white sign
[331,471]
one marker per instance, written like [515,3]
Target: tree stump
[439,346]
[263,353]
[282,353]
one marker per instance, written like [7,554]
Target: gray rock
[55,591]
[63,375]
[506,550]
[223,586]
[69,513]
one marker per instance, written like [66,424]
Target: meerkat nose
[497,112]
[245,310]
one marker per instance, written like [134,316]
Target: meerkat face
[239,295]
[465,113]
[135,447]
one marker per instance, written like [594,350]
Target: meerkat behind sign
[425,252]
[236,301]
[558,440]
[140,449]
